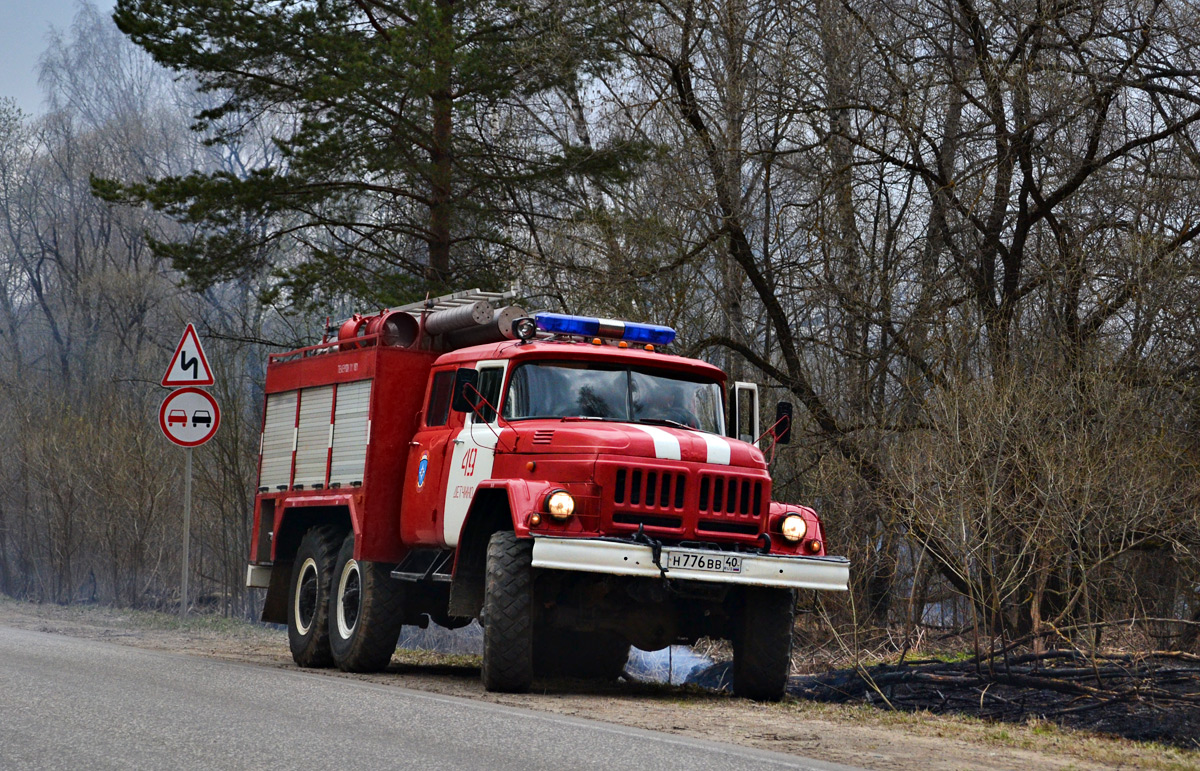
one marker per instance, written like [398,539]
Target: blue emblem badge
[422,467]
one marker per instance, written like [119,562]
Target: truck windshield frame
[600,391]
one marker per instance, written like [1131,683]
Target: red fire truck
[562,479]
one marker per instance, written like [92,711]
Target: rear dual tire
[341,611]
[366,611]
[308,603]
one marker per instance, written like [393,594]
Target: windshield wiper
[666,422]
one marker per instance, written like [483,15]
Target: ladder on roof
[465,297]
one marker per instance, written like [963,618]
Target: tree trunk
[5,586]
[441,204]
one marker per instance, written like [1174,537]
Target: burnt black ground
[1146,703]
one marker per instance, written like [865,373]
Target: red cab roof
[561,349]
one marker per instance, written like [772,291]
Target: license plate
[707,561]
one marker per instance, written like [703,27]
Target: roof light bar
[585,326]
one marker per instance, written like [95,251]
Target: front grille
[543,436]
[638,487]
[720,494]
[720,505]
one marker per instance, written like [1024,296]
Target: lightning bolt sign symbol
[190,362]
[188,366]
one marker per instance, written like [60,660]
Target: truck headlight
[560,504]
[793,527]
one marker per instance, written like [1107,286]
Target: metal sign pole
[187,529]
[180,416]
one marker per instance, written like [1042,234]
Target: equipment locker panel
[278,440]
[312,436]
[351,432]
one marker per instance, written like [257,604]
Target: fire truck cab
[559,478]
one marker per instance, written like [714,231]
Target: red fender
[815,530]
[351,501]
[524,497]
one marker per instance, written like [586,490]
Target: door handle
[460,441]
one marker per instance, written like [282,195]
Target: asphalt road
[71,704]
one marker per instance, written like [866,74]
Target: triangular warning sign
[189,367]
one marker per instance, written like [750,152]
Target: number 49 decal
[468,461]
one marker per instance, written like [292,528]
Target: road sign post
[189,417]
[187,530]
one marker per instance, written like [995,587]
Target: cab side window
[438,410]
[490,380]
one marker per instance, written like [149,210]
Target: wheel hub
[349,599]
[306,596]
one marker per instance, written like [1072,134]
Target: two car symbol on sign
[179,417]
[189,416]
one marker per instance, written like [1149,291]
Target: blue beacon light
[562,324]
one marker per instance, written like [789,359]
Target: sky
[23,35]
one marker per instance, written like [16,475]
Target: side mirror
[783,422]
[466,385]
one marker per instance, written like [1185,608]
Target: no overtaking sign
[189,416]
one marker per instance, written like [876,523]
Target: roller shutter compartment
[312,436]
[278,440]
[351,432]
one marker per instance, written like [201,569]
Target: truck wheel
[762,644]
[308,627]
[366,611]
[508,614]
[586,655]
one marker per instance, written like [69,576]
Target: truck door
[423,491]
[473,451]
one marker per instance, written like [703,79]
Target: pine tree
[399,149]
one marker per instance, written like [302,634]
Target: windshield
[587,390]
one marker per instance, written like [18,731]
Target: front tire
[508,614]
[308,603]
[366,611]
[762,644]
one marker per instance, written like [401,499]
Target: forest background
[961,236]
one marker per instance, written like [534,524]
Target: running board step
[423,565]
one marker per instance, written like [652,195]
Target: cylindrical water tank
[461,317]
[500,327]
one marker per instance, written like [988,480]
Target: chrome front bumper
[622,558]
